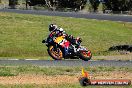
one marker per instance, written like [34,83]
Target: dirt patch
[38,79]
[112,75]
[60,79]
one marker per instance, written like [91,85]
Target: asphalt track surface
[122,18]
[68,63]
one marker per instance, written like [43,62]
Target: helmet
[61,29]
[52,27]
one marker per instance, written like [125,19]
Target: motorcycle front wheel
[85,55]
[55,53]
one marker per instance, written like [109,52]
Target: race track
[69,63]
[122,18]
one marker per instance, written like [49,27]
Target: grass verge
[19,70]
[77,85]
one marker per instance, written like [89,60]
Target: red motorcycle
[59,47]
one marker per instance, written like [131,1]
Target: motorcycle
[60,47]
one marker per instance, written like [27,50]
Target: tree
[119,5]
[56,4]
[49,3]
[94,4]
[130,5]
[13,3]
[35,2]
[75,4]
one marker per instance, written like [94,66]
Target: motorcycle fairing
[62,41]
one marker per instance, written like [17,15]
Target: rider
[55,32]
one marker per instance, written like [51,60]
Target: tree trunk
[48,3]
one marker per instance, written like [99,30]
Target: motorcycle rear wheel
[56,54]
[85,55]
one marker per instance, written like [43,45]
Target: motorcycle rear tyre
[85,58]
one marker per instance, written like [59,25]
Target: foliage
[13,3]
[78,4]
[35,2]
[114,5]
[119,5]
[94,4]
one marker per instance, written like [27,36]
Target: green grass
[21,35]
[77,85]
[18,70]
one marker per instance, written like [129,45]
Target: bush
[35,2]
[119,5]
[74,4]
[94,4]
[57,4]
[13,3]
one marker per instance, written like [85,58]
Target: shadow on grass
[121,48]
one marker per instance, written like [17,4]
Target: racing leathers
[60,32]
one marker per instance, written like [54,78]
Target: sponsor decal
[111,82]
[85,80]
